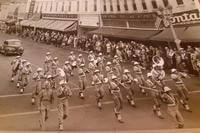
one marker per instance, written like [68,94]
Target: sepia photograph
[92,66]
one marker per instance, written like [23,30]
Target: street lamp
[166,14]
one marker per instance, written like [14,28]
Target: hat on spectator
[82,65]
[136,63]
[39,69]
[96,71]
[80,55]
[166,89]
[56,58]
[100,54]
[126,71]
[71,52]
[114,77]
[108,63]
[149,75]
[173,70]
[66,62]
[48,53]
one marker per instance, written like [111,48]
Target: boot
[119,118]
[99,105]
[81,95]
[160,114]
[18,84]
[12,79]
[187,108]
[21,90]
[64,116]
[61,127]
[132,103]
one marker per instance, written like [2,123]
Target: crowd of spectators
[187,59]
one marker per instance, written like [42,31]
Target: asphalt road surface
[17,113]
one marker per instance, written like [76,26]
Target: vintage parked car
[11,46]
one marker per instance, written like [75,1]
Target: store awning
[185,34]
[166,35]
[27,23]
[191,34]
[60,25]
[126,33]
[43,23]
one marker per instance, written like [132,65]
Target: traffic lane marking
[70,108]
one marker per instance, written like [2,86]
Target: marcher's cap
[149,75]
[126,71]
[18,57]
[166,89]
[71,52]
[49,76]
[66,62]
[115,56]
[154,65]
[82,65]
[173,70]
[100,54]
[28,63]
[80,55]
[39,69]
[96,71]
[62,82]
[114,77]
[48,53]
[91,52]
[23,61]
[56,58]
[136,63]
[108,63]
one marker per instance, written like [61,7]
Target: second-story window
[56,6]
[118,6]
[144,6]
[111,5]
[63,5]
[78,6]
[86,5]
[125,5]
[179,2]
[46,6]
[165,2]
[104,5]
[95,5]
[70,6]
[134,5]
[154,4]
[51,6]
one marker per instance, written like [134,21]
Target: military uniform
[117,66]
[158,76]
[117,98]
[82,80]
[172,107]
[15,67]
[98,81]
[127,84]
[47,64]
[68,70]
[181,89]
[72,61]
[92,66]
[63,94]
[100,62]
[45,100]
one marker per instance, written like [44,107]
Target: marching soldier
[91,56]
[15,67]
[20,74]
[54,66]
[100,62]
[172,106]
[98,81]
[158,75]
[117,65]
[82,80]
[45,100]
[47,63]
[109,73]
[72,60]
[68,70]
[154,92]
[138,73]
[92,66]
[37,77]
[181,88]
[63,94]
[80,60]
[117,98]
[127,81]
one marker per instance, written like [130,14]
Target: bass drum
[157,60]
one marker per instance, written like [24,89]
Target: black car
[11,46]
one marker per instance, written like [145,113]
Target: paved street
[17,113]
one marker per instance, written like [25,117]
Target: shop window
[63,5]
[95,5]
[165,2]
[86,5]
[125,5]
[78,6]
[179,2]
[104,6]
[134,5]
[144,6]
[111,5]
[154,4]
[118,6]
[70,6]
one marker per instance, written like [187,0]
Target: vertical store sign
[31,8]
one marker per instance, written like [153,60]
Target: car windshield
[14,43]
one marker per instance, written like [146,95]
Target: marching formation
[52,82]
